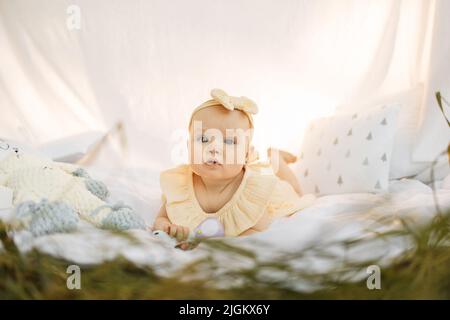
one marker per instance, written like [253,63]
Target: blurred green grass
[422,272]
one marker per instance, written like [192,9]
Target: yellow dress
[260,191]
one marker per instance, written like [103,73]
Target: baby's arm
[162,220]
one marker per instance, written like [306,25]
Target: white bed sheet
[331,218]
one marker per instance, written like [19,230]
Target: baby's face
[219,141]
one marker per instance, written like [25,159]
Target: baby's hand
[187,245]
[178,232]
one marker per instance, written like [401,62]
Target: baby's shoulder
[260,168]
[261,177]
[174,183]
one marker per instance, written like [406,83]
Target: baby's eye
[202,138]
[229,141]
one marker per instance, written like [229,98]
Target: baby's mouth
[212,162]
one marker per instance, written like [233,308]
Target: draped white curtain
[150,62]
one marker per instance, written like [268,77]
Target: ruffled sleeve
[174,184]
[179,201]
[249,204]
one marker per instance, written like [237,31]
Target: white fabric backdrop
[434,134]
[149,63]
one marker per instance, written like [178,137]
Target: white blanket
[332,218]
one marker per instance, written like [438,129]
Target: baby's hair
[250,122]
[249,131]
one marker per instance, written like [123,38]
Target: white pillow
[402,164]
[348,153]
[71,149]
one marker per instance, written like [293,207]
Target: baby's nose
[214,149]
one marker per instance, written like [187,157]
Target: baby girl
[224,184]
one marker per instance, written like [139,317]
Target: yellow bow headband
[221,98]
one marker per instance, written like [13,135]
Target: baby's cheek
[235,154]
[195,152]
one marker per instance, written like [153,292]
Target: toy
[51,197]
